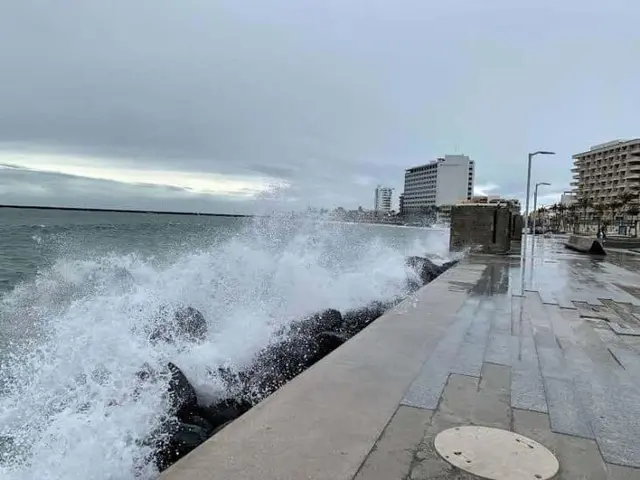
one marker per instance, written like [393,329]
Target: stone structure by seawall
[485,228]
[323,423]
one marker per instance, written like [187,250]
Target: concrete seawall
[324,423]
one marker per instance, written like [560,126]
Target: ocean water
[78,288]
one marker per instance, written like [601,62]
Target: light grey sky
[231,105]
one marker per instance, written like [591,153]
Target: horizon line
[117,210]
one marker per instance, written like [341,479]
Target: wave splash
[71,401]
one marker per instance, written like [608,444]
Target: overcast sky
[227,105]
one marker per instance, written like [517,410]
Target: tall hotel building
[445,181]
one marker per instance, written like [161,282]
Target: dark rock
[182,395]
[182,438]
[413,285]
[447,265]
[191,323]
[223,411]
[426,269]
[280,362]
[187,324]
[327,321]
[328,342]
[356,320]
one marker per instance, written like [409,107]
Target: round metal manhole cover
[495,454]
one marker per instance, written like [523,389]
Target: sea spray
[77,333]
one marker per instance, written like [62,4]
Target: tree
[625,199]
[562,208]
[600,209]
[540,214]
[614,207]
[633,211]
[584,203]
[556,221]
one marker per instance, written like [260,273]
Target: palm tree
[562,208]
[554,208]
[614,207]
[625,198]
[600,209]
[584,203]
[573,216]
[633,211]
[540,213]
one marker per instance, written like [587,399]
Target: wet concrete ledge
[324,423]
[584,244]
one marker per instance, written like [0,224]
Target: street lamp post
[535,204]
[526,203]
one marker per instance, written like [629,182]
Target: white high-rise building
[445,181]
[606,171]
[382,200]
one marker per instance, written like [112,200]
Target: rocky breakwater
[293,349]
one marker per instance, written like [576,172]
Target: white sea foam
[77,334]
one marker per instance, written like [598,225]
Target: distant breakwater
[114,210]
[294,349]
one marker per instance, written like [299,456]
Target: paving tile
[565,302]
[465,400]
[426,389]
[616,424]
[470,355]
[553,363]
[469,358]
[566,414]
[534,425]
[621,329]
[499,347]
[629,359]
[458,398]
[492,403]
[520,324]
[547,297]
[578,457]
[527,387]
[618,472]
[527,391]
[611,400]
[501,322]
[392,455]
[455,409]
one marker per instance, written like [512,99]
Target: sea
[78,288]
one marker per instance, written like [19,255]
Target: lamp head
[543,152]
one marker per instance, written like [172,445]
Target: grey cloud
[24,187]
[319,92]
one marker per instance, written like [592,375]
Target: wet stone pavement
[546,344]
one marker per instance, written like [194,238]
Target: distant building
[382,199]
[401,204]
[445,181]
[607,170]
[512,203]
[567,199]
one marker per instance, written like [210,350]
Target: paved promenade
[546,344]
